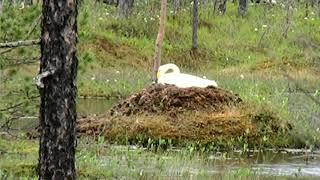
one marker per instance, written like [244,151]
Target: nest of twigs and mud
[183,115]
[170,100]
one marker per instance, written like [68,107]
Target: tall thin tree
[159,40]
[318,7]
[243,7]
[288,18]
[195,24]
[125,7]
[221,5]
[176,6]
[57,86]
[1,5]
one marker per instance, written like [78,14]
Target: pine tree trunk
[124,7]
[1,5]
[306,9]
[222,6]
[176,6]
[318,7]
[195,23]
[57,86]
[243,7]
[111,2]
[28,2]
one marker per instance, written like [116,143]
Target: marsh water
[285,163]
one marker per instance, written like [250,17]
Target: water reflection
[270,163]
[94,106]
[85,107]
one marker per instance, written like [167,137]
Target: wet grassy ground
[100,160]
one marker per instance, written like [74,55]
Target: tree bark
[195,24]
[1,5]
[222,6]
[111,2]
[306,9]
[243,7]
[288,18]
[124,7]
[57,86]
[176,6]
[160,36]
[318,7]
[28,2]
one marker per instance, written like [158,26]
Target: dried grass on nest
[172,113]
[194,126]
[183,115]
[169,99]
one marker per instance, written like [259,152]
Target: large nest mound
[169,99]
[201,115]
[182,115]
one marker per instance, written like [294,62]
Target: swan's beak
[158,75]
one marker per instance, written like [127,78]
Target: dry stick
[34,25]
[6,51]
[12,107]
[20,43]
[157,56]
[7,124]
[25,61]
[288,18]
[19,104]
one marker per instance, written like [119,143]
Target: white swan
[170,74]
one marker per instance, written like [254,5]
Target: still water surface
[291,163]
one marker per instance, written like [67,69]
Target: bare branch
[20,103]
[6,51]
[12,107]
[34,25]
[157,56]
[20,43]
[24,61]
[288,19]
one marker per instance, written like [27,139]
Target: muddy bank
[184,115]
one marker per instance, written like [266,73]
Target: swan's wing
[185,80]
[198,81]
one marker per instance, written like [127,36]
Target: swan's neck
[172,69]
[168,69]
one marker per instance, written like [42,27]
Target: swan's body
[170,74]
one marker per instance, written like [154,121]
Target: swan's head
[167,68]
